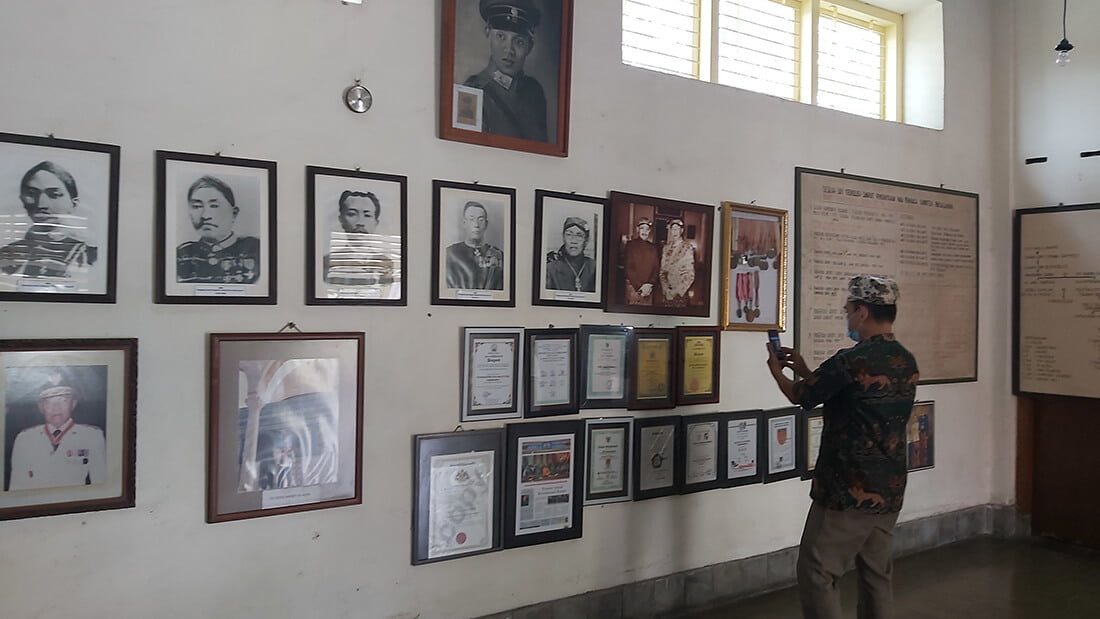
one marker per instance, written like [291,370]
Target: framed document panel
[492,362]
[473,244]
[659,457]
[782,431]
[699,356]
[58,220]
[355,237]
[608,462]
[746,440]
[809,440]
[570,245]
[457,483]
[704,452]
[286,423]
[517,98]
[551,376]
[652,380]
[604,375]
[754,267]
[216,232]
[544,500]
[920,437]
[68,426]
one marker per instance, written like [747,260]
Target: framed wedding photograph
[70,408]
[551,376]
[754,267]
[659,460]
[356,226]
[491,368]
[652,381]
[569,249]
[608,465]
[698,367]
[704,452]
[544,500]
[285,425]
[58,220]
[604,359]
[809,440]
[920,439]
[746,439]
[505,74]
[661,259]
[457,495]
[216,232]
[473,244]
[782,431]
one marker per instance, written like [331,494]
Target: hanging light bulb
[1063,48]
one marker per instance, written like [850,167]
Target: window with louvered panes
[662,35]
[851,71]
[758,46]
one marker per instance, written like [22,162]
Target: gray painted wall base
[725,582]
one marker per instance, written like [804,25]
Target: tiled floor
[977,579]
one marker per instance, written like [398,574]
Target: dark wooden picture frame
[785,446]
[465,274]
[520,101]
[357,240]
[604,349]
[546,380]
[567,223]
[807,451]
[440,537]
[58,185]
[607,460]
[482,345]
[754,268]
[542,464]
[920,439]
[698,347]
[749,439]
[658,390]
[92,384]
[231,203]
[299,429]
[651,450]
[718,427]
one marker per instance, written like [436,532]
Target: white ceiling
[901,6]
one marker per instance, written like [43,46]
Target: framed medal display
[704,452]
[745,440]
[781,428]
[658,465]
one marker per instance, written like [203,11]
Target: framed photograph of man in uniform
[782,440]
[355,237]
[68,427]
[505,74]
[58,219]
[570,237]
[216,230]
[473,244]
[658,256]
[754,267]
[285,425]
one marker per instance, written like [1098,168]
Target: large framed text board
[1056,301]
[924,237]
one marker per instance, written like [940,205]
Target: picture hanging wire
[288,326]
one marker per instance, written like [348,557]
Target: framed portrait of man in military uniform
[473,244]
[505,74]
[216,231]
[570,241]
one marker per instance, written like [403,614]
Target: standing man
[220,255]
[859,480]
[355,258]
[474,264]
[642,260]
[568,268]
[514,103]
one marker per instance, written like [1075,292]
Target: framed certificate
[704,452]
[543,501]
[920,436]
[699,354]
[551,376]
[659,459]
[652,381]
[607,465]
[745,438]
[473,244]
[570,243]
[809,440]
[605,351]
[782,431]
[492,359]
[457,494]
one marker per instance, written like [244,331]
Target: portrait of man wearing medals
[568,268]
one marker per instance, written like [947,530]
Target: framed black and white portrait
[473,244]
[215,230]
[355,237]
[58,219]
[569,249]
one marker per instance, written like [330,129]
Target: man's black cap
[515,15]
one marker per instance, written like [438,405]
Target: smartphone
[777,348]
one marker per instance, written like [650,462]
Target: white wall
[262,79]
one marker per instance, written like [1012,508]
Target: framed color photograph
[286,423]
[659,457]
[473,244]
[58,220]
[216,232]
[68,426]
[809,440]
[608,465]
[652,381]
[355,237]
[704,452]
[504,78]
[569,249]
[491,371]
[659,256]
[551,372]
[746,439]
[754,267]
[921,436]
[698,367]
[457,494]
[782,439]
[604,378]
[544,492]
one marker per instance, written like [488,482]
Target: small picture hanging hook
[459,428]
[751,202]
[290,326]
[842,170]
[217,153]
[50,135]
